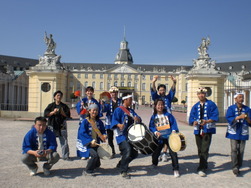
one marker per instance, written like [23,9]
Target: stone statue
[51,45]
[202,49]
[203,64]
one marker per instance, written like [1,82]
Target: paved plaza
[69,173]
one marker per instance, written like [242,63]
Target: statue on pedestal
[202,49]
[51,45]
[50,59]
[203,63]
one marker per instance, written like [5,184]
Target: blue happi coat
[109,112]
[86,104]
[237,130]
[210,112]
[30,141]
[120,117]
[172,123]
[167,98]
[85,137]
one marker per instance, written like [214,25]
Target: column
[18,102]
[249,99]
[245,100]
[5,104]
[231,98]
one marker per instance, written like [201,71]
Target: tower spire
[124,56]
[124,33]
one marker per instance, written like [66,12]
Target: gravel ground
[69,173]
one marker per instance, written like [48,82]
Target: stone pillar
[249,99]
[204,74]
[44,79]
[5,94]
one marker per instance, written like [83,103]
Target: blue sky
[164,32]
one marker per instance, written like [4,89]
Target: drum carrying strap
[126,111]
[95,128]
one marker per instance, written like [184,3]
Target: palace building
[27,85]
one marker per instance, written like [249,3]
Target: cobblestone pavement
[69,174]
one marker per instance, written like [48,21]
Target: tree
[175,99]
[72,96]
[183,102]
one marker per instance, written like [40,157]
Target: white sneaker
[47,172]
[160,158]
[202,174]
[33,172]
[164,157]
[176,173]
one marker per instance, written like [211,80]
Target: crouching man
[40,144]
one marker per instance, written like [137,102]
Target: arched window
[144,86]
[167,89]
[101,86]
[86,84]
[93,85]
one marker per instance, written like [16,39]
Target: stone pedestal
[204,74]
[44,79]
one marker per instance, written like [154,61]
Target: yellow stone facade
[38,99]
[214,82]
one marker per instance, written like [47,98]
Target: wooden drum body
[177,142]
[142,138]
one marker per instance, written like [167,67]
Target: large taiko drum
[142,139]
[177,142]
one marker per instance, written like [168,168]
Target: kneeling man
[40,144]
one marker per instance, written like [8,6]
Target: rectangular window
[143,86]
[101,86]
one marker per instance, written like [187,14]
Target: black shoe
[236,171]
[125,175]
[113,156]
[67,159]
[118,165]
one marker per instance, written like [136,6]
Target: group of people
[40,142]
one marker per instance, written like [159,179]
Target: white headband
[126,97]
[236,95]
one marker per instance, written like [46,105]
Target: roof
[26,63]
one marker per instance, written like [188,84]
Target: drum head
[104,151]
[136,132]
[175,142]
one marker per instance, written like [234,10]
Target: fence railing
[13,107]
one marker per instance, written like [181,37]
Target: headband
[126,97]
[236,95]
